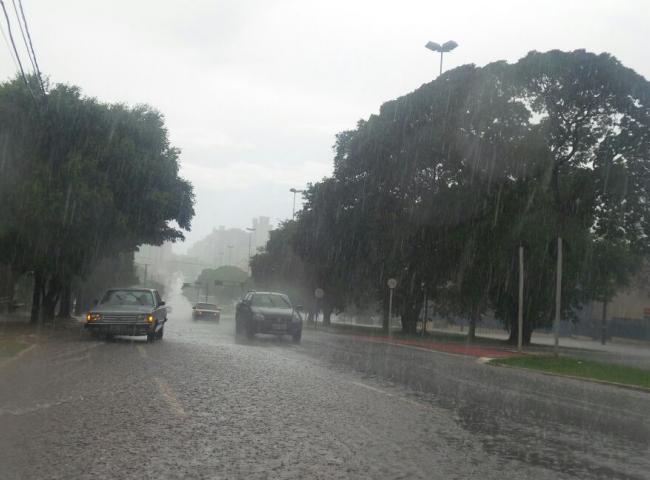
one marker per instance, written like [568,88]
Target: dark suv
[268,312]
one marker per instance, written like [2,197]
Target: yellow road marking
[170,397]
[142,351]
[18,355]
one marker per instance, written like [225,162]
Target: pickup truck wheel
[160,333]
[297,336]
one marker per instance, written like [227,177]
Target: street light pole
[250,236]
[444,48]
[294,191]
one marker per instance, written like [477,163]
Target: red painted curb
[459,348]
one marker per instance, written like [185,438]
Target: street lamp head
[433,46]
[250,229]
[449,46]
[444,48]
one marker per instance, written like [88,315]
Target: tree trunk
[514,332]
[474,318]
[327,315]
[410,315]
[471,331]
[65,306]
[51,298]
[79,307]
[36,296]
[10,288]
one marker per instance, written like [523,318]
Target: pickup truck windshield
[128,297]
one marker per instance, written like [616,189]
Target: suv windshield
[128,297]
[270,301]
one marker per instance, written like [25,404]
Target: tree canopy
[82,180]
[442,186]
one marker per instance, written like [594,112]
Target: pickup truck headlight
[92,317]
[141,318]
[150,318]
[258,317]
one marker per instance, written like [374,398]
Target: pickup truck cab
[128,311]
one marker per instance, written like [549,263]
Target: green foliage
[81,180]
[441,187]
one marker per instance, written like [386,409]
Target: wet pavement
[203,404]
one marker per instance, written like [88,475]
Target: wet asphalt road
[202,404]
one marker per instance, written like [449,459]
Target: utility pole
[426,308]
[392,283]
[520,312]
[145,273]
[558,299]
[230,247]
[603,324]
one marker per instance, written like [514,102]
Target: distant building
[231,246]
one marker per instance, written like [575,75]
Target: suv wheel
[238,330]
[250,330]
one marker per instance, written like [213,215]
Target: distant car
[128,311]
[207,311]
[268,312]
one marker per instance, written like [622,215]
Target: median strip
[618,375]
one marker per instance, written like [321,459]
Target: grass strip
[586,369]
[9,348]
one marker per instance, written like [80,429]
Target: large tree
[82,181]
[441,187]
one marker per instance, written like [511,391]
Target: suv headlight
[92,317]
[259,317]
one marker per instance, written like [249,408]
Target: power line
[13,44]
[31,46]
[22,33]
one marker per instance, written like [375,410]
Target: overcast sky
[254,91]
